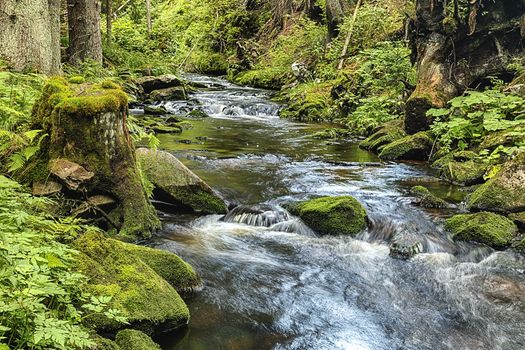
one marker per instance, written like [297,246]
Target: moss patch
[504,192]
[167,265]
[144,297]
[333,215]
[491,229]
[412,147]
[131,339]
[387,133]
[428,199]
[464,173]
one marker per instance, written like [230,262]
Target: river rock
[151,83]
[505,192]
[140,294]
[176,184]
[132,339]
[384,135]
[405,245]
[488,228]
[169,94]
[332,215]
[155,110]
[412,147]
[427,199]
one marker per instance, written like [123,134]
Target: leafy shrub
[42,303]
[471,117]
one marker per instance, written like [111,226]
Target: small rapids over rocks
[272,283]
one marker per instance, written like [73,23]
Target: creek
[284,287]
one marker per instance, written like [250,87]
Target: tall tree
[85,38]
[148,16]
[109,21]
[30,34]
[335,13]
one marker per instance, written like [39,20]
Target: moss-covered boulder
[491,229]
[427,199]
[464,173]
[505,192]
[147,84]
[86,127]
[509,137]
[386,134]
[412,147]
[131,339]
[169,266]
[147,300]
[519,219]
[104,344]
[332,215]
[176,184]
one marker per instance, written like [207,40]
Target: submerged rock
[488,228]
[387,133]
[427,199]
[412,147]
[332,215]
[147,300]
[258,215]
[131,339]
[505,192]
[406,245]
[176,184]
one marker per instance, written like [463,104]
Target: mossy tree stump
[86,125]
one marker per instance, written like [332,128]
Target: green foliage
[476,114]
[42,298]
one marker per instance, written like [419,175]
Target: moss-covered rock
[386,134]
[427,199]
[86,124]
[105,344]
[169,266]
[332,215]
[176,184]
[505,192]
[412,147]
[169,94]
[509,137]
[131,339]
[491,229]
[464,173]
[147,300]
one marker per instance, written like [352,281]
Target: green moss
[504,192]
[269,78]
[387,133]
[109,85]
[185,125]
[169,266]
[144,297]
[488,228]
[412,147]
[54,91]
[77,79]
[507,138]
[97,102]
[130,339]
[464,173]
[333,215]
[197,113]
[519,219]
[428,199]
[309,102]
[105,344]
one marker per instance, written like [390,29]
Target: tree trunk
[335,12]
[148,16]
[30,34]
[455,53]
[85,39]
[109,21]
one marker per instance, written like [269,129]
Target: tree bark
[335,12]
[85,39]
[109,21]
[30,34]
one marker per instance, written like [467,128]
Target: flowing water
[272,283]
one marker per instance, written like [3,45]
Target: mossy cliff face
[175,183]
[87,126]
[491,229]
[147,300]
[332,215]
[505,192]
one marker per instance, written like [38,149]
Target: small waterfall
[258,215]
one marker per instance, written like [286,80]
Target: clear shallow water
[268,289]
